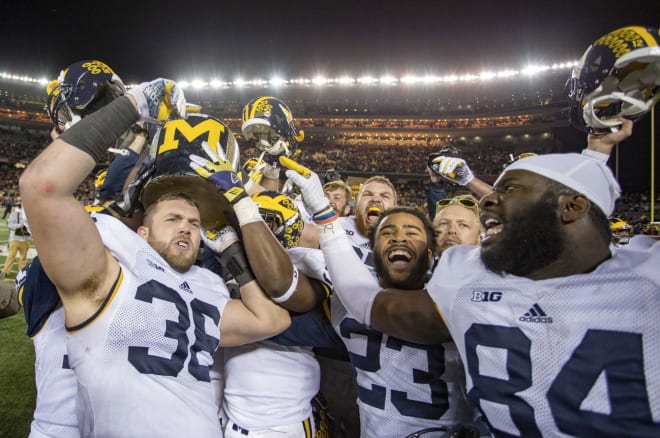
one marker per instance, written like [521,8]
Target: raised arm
[69,246]
[406,314]
[269,261]
[456,170]
[252,318]
[605,142]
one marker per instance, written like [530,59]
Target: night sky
[146,39]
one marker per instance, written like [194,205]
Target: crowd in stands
[18,145]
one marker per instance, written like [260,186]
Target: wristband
[595,155]
[291,290]
[100,130]
[325,216]
[247,212]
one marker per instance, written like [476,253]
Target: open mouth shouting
[492,228]
[373,213]
[399,257]
[183,244]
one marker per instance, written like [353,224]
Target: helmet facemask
[268,122]
[265,138]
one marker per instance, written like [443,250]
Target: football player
[376,195]
[340,196]
[277,402]
[80,89]
[142,321]
[390,404]
[538,297]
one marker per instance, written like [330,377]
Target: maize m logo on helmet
[173,144]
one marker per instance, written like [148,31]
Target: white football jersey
[568,356]
[55,411]
[269,385]
[143,360]
[402,386]
[360,242]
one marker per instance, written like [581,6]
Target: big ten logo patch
[96,67]
[623,40]
[209,127]
[486,296]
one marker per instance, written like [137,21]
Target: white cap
[582,173]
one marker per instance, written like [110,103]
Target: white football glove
[217,240]
[452,169]
[309,183]
[159,100]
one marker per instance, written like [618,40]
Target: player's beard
[361,223]
[532,240]
[414,280]
[180,262]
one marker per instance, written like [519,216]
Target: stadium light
[388,80]
[367,80]
[409,79]
[216,83]
[319,80]
[531,70]
[346,80]
[277,81]
[487,75]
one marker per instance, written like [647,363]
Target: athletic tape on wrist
[247,211]
[329,231]
[600,156]
[233,259]
[291,290]
[100,130]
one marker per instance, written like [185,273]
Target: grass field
[16,368]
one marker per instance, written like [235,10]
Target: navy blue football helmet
[618,77]
[80,89]
[269,123]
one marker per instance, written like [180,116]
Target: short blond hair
[169,196]
[383,180]
[339,185]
